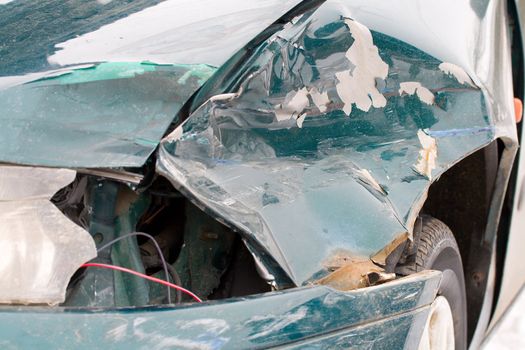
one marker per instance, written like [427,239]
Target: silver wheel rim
[439,327]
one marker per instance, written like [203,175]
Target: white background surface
[509,333]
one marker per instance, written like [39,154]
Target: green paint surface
[112,114]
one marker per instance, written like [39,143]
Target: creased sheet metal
[105,115]
[40,247]
[144,60]
[331,137]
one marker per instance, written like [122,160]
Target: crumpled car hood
[97,84]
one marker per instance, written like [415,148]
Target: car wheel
[446,325]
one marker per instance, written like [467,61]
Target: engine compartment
[202,254]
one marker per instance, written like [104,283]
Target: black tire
[438,250]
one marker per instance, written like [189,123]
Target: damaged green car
[259,173]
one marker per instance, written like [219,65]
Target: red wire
[154,279]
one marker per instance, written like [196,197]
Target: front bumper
[387,316]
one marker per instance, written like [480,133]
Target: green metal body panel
[272,145]
[107,115]
[318,315]
[66,105]
[344,175]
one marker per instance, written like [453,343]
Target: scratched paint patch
[364,176]
[426,161]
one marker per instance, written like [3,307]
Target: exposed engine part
[160,256]
[200,253]
[153,262]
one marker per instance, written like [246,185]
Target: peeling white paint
[299,100]
[413,87]
[358,85]
[294,103]
[319,99]
[300,120]
[427,155]
[457,72]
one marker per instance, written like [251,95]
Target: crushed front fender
[321,146]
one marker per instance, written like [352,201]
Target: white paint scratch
[367,178]
[271,324]
[426,161]
[117,333]
[413,87]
